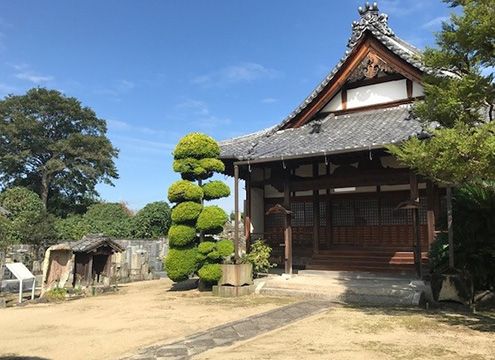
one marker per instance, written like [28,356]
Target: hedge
[212,165]
[206,247]
[210,273]
[181,235]
[196,145]
[186,212]
[189,168]
[215,190]
[225,247]
[184,190]
[211,220]
[181,263]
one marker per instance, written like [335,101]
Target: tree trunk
[449,226]
[44,188]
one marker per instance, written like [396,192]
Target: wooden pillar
[328,209]
[316,214]
[379,204]
[288,227]
[413,180]
[247,213]
[431,215]
[236,213]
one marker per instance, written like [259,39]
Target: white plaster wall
[334,104]
[257,211]
[305,170]
[271,192]
[417,90]
[377,94]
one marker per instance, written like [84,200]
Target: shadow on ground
[22,358]
[183,286]
[448,314]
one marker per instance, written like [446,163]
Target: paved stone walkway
[231,333]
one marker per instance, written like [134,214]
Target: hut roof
[93,241]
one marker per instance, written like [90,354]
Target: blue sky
[157,70]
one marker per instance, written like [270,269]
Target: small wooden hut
[93,258]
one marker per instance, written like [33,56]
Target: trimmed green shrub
[181,235]
[189,168]
[211,220]
[215,190]
[214,256]
[210,273]
[184,190]
[212,165]
[225,247]
[196,145]
[186,212]
[206,247]
[181,263]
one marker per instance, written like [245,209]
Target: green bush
[211,220]
[215,190]
[225,247]
[206,247]
[214,256]
[180,264]
[152,221]
[196,145]
[189,168]
[259,256]
[210,273]
[184,190]
[186,212]
[57,294]
[212,165]
[181,235]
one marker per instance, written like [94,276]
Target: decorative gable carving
[369,68]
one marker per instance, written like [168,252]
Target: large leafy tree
[152,221]
[54,145]
[29,222]
[460,98]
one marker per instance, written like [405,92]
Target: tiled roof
[360,131]
[377,24]
[94,241]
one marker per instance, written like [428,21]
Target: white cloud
[269,100]
[241,73]
[435,23]
[198,113]
[26,73]
[140,145]
[122,126]
[118,88]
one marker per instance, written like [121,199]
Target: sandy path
[111,325]
[371,334]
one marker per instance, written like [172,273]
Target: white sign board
[21,272]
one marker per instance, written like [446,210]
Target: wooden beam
[236,213]
[344,98]
[288,228]
[409,88]
[414,195]
[328,210]
[316,213]
[247,213]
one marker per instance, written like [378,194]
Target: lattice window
[390,216]
[323,213]
[298,210]
[366,212]
[342,213]
[308,214]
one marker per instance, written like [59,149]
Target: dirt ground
[371,333]
[112,325]
[145,313]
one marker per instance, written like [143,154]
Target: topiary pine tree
[195,158]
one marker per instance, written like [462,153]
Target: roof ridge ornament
[370,19]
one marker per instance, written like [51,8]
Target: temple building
[321,187]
